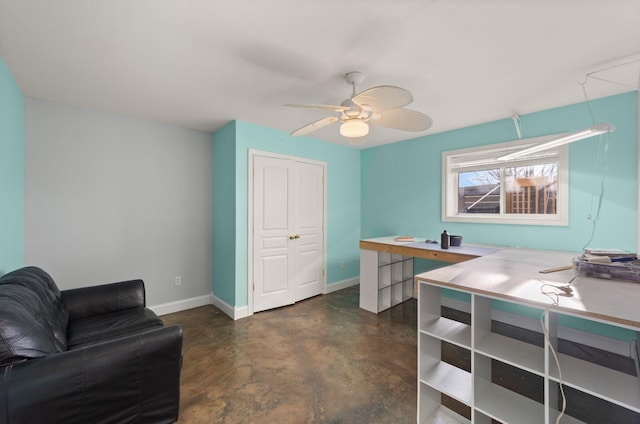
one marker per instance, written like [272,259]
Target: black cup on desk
[455,240]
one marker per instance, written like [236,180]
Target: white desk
[386,268]
[512,275]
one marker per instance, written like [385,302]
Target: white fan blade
[315,126]
[383,98]
[321,107]
[404,119]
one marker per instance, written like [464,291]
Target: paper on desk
[609,259]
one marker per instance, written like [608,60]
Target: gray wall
[109,198]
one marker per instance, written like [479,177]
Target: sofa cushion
[104,326]
[33,316]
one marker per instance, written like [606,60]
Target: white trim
[597,341]
[181,305]
[233,312]
[483,158]
[222,305]
[250,157]
[339,285]
[236,313]
[241,312]
[250,172]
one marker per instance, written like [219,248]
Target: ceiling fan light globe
[353,129]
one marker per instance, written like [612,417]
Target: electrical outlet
[178,280]
[341,264]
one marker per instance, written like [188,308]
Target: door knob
[297,236]
[292,236]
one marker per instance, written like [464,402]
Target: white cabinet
[487,400]
[386,279]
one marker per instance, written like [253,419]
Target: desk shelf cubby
[386,280]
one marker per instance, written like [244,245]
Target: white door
[288,233]
[308,229]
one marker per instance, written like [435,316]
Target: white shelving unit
[486,399]
[386,280]
[386,268]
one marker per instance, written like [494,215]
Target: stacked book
[608,263]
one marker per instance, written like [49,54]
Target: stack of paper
[608,255]
[405,239]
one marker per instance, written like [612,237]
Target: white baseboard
[597,341]
[181,305]
[240,312]
[329,288]
[234,312]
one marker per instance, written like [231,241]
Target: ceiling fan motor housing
[354,78]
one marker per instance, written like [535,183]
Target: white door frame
[253,153]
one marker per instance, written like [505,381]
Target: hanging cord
[603,174]
[587,101]
[554,294]
[625,64]
[555,357]
[599,153]
[554,291]
[601,162]
[597,167]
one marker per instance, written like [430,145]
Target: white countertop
[513,274]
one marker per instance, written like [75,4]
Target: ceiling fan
[381,105]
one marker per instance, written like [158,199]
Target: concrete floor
[322,360]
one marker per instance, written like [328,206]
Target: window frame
[485,158]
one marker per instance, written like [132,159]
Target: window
[528,190]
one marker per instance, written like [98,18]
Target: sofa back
[33,316]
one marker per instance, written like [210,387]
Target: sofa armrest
[129,379]
[87,301]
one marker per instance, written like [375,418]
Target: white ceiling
[201,63]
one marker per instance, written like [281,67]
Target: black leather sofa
[87,355]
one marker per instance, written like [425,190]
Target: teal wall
[343,203]
[11,172]
[401,188]
[224,213]
[401,191]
